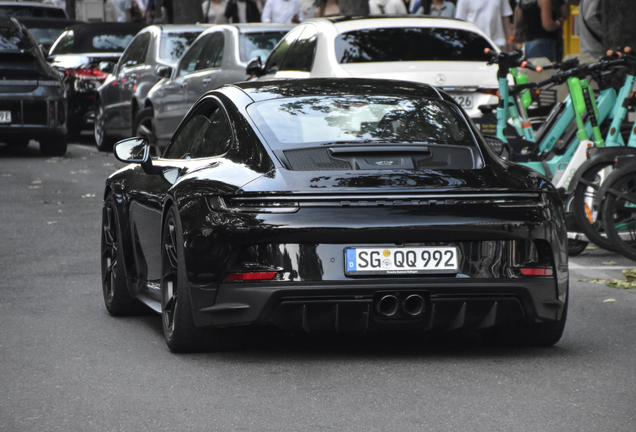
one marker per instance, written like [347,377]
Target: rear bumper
[449,304]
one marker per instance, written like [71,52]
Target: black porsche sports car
[345,205]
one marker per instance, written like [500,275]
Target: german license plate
[401,260]
[464,100]
[5,116]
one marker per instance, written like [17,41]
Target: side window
[217,138]
[212,55]
[206,133]
[301,55]
[277,57]
[136,52]
[187,137]
[193,55]
[64,44]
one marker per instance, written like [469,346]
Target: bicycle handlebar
[509,60]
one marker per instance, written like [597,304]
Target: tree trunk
[187,11]
[70,9]
[619,30]
[354,7]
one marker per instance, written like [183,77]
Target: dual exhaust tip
[412,305]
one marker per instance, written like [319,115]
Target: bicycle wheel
[619,212]
[588,217]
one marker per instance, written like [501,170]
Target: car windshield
[26,11]
[291,123]
[46,36]
[424,44]
[174,44]
[258,44]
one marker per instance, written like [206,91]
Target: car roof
[170,28]
[344,24]
[277,88]
[58,23]
[254,27]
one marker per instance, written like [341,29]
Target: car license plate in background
[401,260]
[5,116]
[464,100]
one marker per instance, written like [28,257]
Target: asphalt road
[66,365]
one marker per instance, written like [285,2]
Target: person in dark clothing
[242,11]
[167,12]
[543,23]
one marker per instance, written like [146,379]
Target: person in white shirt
[492,17]
[282,12]
[122,10]
[387,7]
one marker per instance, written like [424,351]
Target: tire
[619,212]
[18,142]
[528,334]
[179,330]
[144,126]
[55,146]
[576,247]
[114,286]
[102,140]
[589,218]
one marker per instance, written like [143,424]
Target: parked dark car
[46,30]
[32,102]
[20,9]
[333,205]
[124,92]
[77,53]
[219,56]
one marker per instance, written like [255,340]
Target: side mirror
[45,51]
[255,67]
[164,71]
[136,150]
[106,67]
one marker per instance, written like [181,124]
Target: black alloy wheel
[102,140]
[179,330]
[619,214]
[589,218]
[115,290]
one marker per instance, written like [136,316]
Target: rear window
[12,39]
[69,44]
[292,123]
[26,11]
[258,44]
[173,45]
[424,44]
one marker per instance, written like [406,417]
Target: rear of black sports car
[355,237]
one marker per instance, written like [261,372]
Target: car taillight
[88,74]
[251,276]
[533,271]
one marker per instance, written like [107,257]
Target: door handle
[206,81]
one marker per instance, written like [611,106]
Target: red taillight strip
[251,276]
[88,74]
[533,271]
